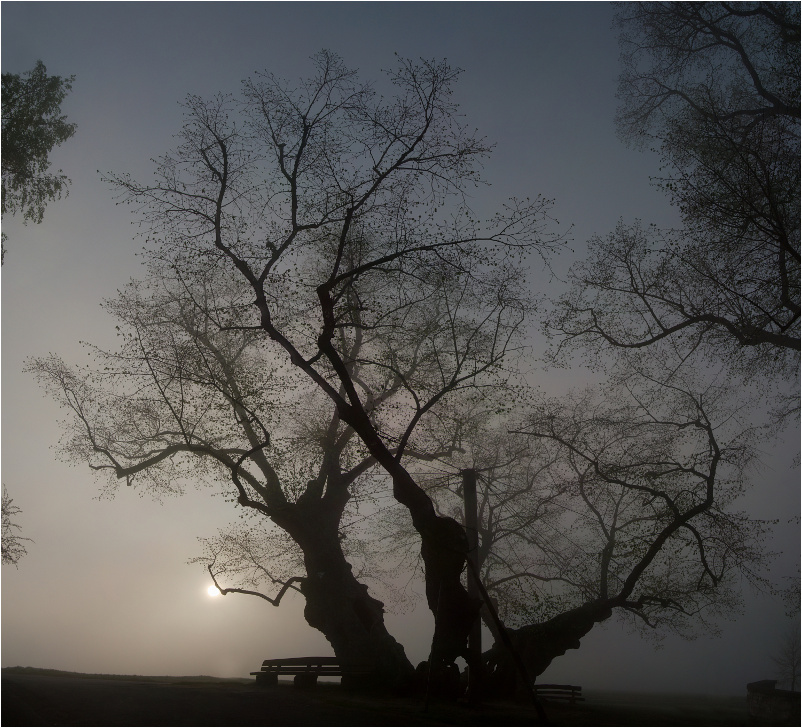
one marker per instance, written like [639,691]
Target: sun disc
[213,591]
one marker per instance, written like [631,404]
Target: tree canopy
[313,244]
[714,87]
[309,192]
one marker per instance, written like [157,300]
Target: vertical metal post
[474,590]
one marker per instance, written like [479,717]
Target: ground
[46,698]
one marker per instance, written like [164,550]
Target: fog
[105,586]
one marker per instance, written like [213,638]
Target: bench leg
[266,679]
[305,680]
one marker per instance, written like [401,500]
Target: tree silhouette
[196,392]
[301,176]
[787,660]
[13,548]
[611,501]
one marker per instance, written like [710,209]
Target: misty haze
[402,363]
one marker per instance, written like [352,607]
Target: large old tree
[195,393]
[324,317]
[361,274]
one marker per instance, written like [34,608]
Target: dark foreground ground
[32,697]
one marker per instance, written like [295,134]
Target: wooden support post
[474,590]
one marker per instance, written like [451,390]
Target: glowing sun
[213,591]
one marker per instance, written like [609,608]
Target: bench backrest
[545,686]
[308,661]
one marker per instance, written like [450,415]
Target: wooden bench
[306,670]
[572,693]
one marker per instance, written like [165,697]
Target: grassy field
[50,697]
[46,672]
[634,709]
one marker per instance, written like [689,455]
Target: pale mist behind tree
[376,319]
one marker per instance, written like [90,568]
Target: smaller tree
[615,505]
[12,547]
[32,125]
[618,503]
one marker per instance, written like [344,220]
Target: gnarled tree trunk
[539,644]
[444,548]
[340,606]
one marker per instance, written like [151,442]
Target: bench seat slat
[563,696]
[302,661]
[317,671]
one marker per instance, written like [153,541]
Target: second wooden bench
[572,693]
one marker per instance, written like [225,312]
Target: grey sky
[105,587]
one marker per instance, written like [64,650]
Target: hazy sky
[106,587]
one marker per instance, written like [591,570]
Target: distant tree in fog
[791,593]
[13,548]
[787,659]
